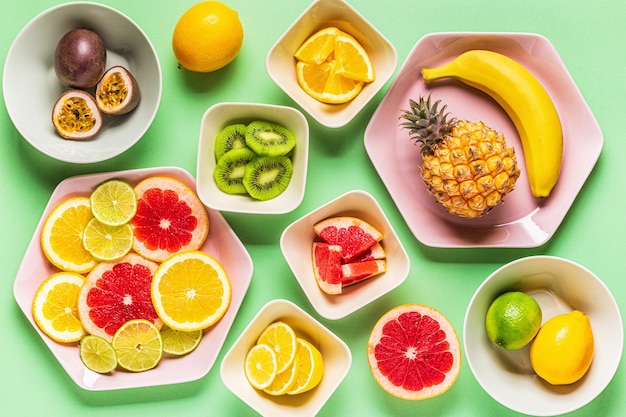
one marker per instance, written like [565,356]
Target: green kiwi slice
[269,139]
[230,168]
[267,177]
[230,137]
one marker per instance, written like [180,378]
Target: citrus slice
[113,202]
[55,307]
[107,243]
[191,291]
[62,236]
[327,267]
[97,354]
[177,342]
[281,338]
[284,380]
[310,370]
[352,60]
[170,218]
[318,47]
[413,352]
[353,234]
[322,82]
[116,292]
[138,345]
[260,366]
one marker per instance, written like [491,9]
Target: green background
[589,37]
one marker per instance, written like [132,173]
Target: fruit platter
[322,207]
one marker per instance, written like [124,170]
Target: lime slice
[138,345]
[107,243]
[114,202]
[98,354]
[176,342]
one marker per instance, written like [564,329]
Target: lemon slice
[138,345]
[107,243]
[281,338]
[310,370]
[260,366]
[177,342]
[97,354]
[113,202]
[284,380]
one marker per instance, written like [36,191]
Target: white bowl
[559,286]
[31,88]
[335,353]
[281,64]
[297,238]
[219,116]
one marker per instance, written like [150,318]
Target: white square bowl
[219,116]
[335,353]
[297,238]
[281,64]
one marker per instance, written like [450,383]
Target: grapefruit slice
[375,252]
[359,271]
[170,218]
[327,267]
[354,235]
[116,292]
[414,352]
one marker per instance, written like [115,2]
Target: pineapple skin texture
[471,170]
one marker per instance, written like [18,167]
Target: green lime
[178,342]
[107,243]
[113,202]
[139,345]
[98,354]
[513,319]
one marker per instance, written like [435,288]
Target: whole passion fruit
[117,92]
[75,115]
[80,59]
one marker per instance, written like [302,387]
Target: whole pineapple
[467,166]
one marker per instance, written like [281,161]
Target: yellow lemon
[563,349]
[207,37]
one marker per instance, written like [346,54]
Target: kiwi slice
[269,139]
[230,169]
[266,177]
[231,137]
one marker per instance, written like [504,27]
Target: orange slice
[318,47]
[352,60]
[324,84]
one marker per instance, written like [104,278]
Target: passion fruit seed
[75,115]
[117,92]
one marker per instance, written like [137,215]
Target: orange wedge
[323,83]
[352,60]
[318,47]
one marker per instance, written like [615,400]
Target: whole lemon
[207,37]
[513,319]
[563,349]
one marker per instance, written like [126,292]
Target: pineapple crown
[427,124]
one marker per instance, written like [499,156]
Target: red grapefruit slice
[327,267]
[170,218]
[375,252]
[414,352]
[359,271]
[354,235]
[116,292]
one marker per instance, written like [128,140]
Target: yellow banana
[526,102]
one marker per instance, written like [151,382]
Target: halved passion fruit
[117,92]
[76,116]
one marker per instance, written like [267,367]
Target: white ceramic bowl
[297,238]
[281,65]
[559,286]
[31,88]
[219,116]
[335,353]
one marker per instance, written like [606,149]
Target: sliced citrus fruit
[310,370]
[322,82]
[107,243]
[177,342]
[170,218]
[260,366]
[352,60]
[281,338]
[138,345]
[191,291]
[113,202]
[55,307]
[375,252]
[318,47]
[355,272]
[414,352]
[116,292]
[327,267]
[97,354]
[284,380]
[62,236]
[353,234]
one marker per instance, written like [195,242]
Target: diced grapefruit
[170,218]
[359,271]
[116,292]
[327,267]
[354,235]
[414,352]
